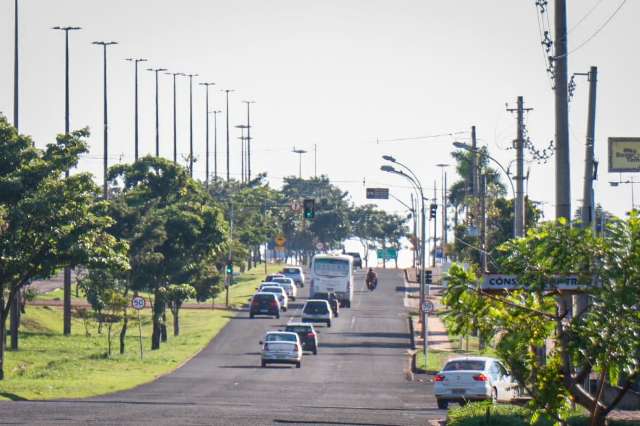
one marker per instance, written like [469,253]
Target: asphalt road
[358,377]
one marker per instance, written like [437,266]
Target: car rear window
[263,297]
[279,346]
[290,271]
[316,308]
[299,329]
[278,290]
[464,365]
[280,337]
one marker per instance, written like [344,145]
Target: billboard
[624,155]
[511,282]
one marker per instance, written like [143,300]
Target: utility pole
[249,138]
[227,91]
[443,238]
[563,176]
[415,228]
[175,116]
[66,322]
[104,45]
[518,202]
[588,206]
[135,61]
[474,163]
[435,225]
[191,122]
[206,87]
[483,223]
[16,65]
[315,160]
[156,71]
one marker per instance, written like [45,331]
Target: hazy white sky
[336,73]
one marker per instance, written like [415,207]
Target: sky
[345,76]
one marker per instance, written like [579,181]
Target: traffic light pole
[229,276]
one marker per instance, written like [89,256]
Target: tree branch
[515,305]
[621,392]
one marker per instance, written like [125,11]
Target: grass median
[52,366]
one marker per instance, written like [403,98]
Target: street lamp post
[191,122]
[175,116]
[299,152]
[67,270]
[215,143]
[444,207]
[630,182]
[16,65]
[227,91]
[249,138]
[206,88]
[136,61]
[243,168]
[411,177]
[156,71]
[104,45]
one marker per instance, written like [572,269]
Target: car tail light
[438,378]
[310,335]
[274,304]
[480,378]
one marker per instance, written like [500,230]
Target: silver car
[280,293]
[288,285]
[281,352]
[317,310]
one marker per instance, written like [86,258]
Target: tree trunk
[163,325]
[157,318]
[597,417]
[15,320]
[109,339]
[123,332]
[176,323]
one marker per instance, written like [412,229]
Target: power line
[602,27]
[595,6]
[416,138]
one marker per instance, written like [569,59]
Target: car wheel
[348,303]
[329,323]
[277,316]
[298,364]
[494,395]
[284,309]
[263,364]
[251,316]
[293,298]
[315,351]
[443,404]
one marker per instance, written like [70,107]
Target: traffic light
[309,207]
[229,268]
[433,208]
[428,279]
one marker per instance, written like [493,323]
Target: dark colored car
[357,260]
[264,304]
[333,300]
[307,334]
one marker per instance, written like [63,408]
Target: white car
[281,352]
[279,292]
[288,284]
[317,310]
[473,379]
[281,336]
[295,273]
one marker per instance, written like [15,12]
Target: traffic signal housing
[433,209]
[309,207]
[229,268]
[428,278]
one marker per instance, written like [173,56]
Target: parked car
[280,294]
[288,284]
[264,304]
[473,379]
[281,336]
[357,260]
[333,300]
[280,352]
[295,273]
[307,334]
[317,310]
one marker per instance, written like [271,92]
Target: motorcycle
[372,284]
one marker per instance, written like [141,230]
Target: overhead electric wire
[602,27]
[593,8]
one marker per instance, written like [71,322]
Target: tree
[175,296]
[49,221]
[600,339]
[366,226]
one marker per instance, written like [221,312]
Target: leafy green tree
[392,230]
[175,296]
[49,221]
[366,226]
[601,338]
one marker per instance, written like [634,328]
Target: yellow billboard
[624,155]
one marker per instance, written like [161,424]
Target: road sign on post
[138,304]
[378,193]
[427,307]
[387,253]
[280,240]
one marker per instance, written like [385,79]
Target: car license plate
[457,391]
[264,310]
[330,288]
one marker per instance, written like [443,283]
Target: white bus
[333,273]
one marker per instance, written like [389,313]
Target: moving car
[317,310]
[264,304]
[330,273]
[280,294]
[288,284]
[473,379]
[357,260]
[281,352]
[270,277]
[295,273]
[307,335]
[333,301]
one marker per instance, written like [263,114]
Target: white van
[333,273]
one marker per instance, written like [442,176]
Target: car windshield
[276,290]
[292,271]
[474,365]
[281,337]
[284,281]
[263,297]
[316,308]
[299,329]
[331,267]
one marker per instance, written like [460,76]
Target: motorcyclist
[372,278]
